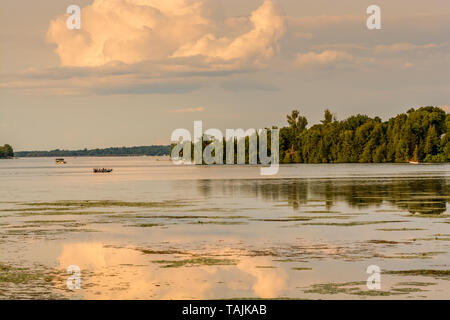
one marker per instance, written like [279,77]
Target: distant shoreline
[92,156]
[157,150]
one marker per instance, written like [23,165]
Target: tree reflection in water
[415,195]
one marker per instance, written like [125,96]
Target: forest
[420,135]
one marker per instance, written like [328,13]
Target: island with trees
[6,152]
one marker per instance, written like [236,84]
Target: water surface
[151,230]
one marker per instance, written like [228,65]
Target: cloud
[188,110]
[113,78]
[153,46]
[162,30]
[318,22]
[402,47]
[178,46]
[323,59]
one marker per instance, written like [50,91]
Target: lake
[152,230]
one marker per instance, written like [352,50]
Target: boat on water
[102,170]
[414,162]
[60,161]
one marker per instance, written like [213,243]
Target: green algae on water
[438,274]
[195,262]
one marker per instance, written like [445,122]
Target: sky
[138,69]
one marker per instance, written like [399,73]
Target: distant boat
[414,162]
[60,161]
[102,170]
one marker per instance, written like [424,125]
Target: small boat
[414,162]
[60,161]
[102,170]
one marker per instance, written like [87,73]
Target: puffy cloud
[152,46]
[324,58]
[133,31]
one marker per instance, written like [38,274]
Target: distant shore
[158,150]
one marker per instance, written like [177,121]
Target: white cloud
[176,46]
[161,30]
[152,46]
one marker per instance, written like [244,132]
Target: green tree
[431,142]
[422,135]
[6,151]
[416,154]
[328,117]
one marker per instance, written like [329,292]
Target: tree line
[6,152]
[421,135]
[107,152]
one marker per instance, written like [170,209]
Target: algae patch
[195,262]
[438,274]
[13,275]
[109,203]
[354,288]
[350,224]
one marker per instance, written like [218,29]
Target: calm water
[151,230]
